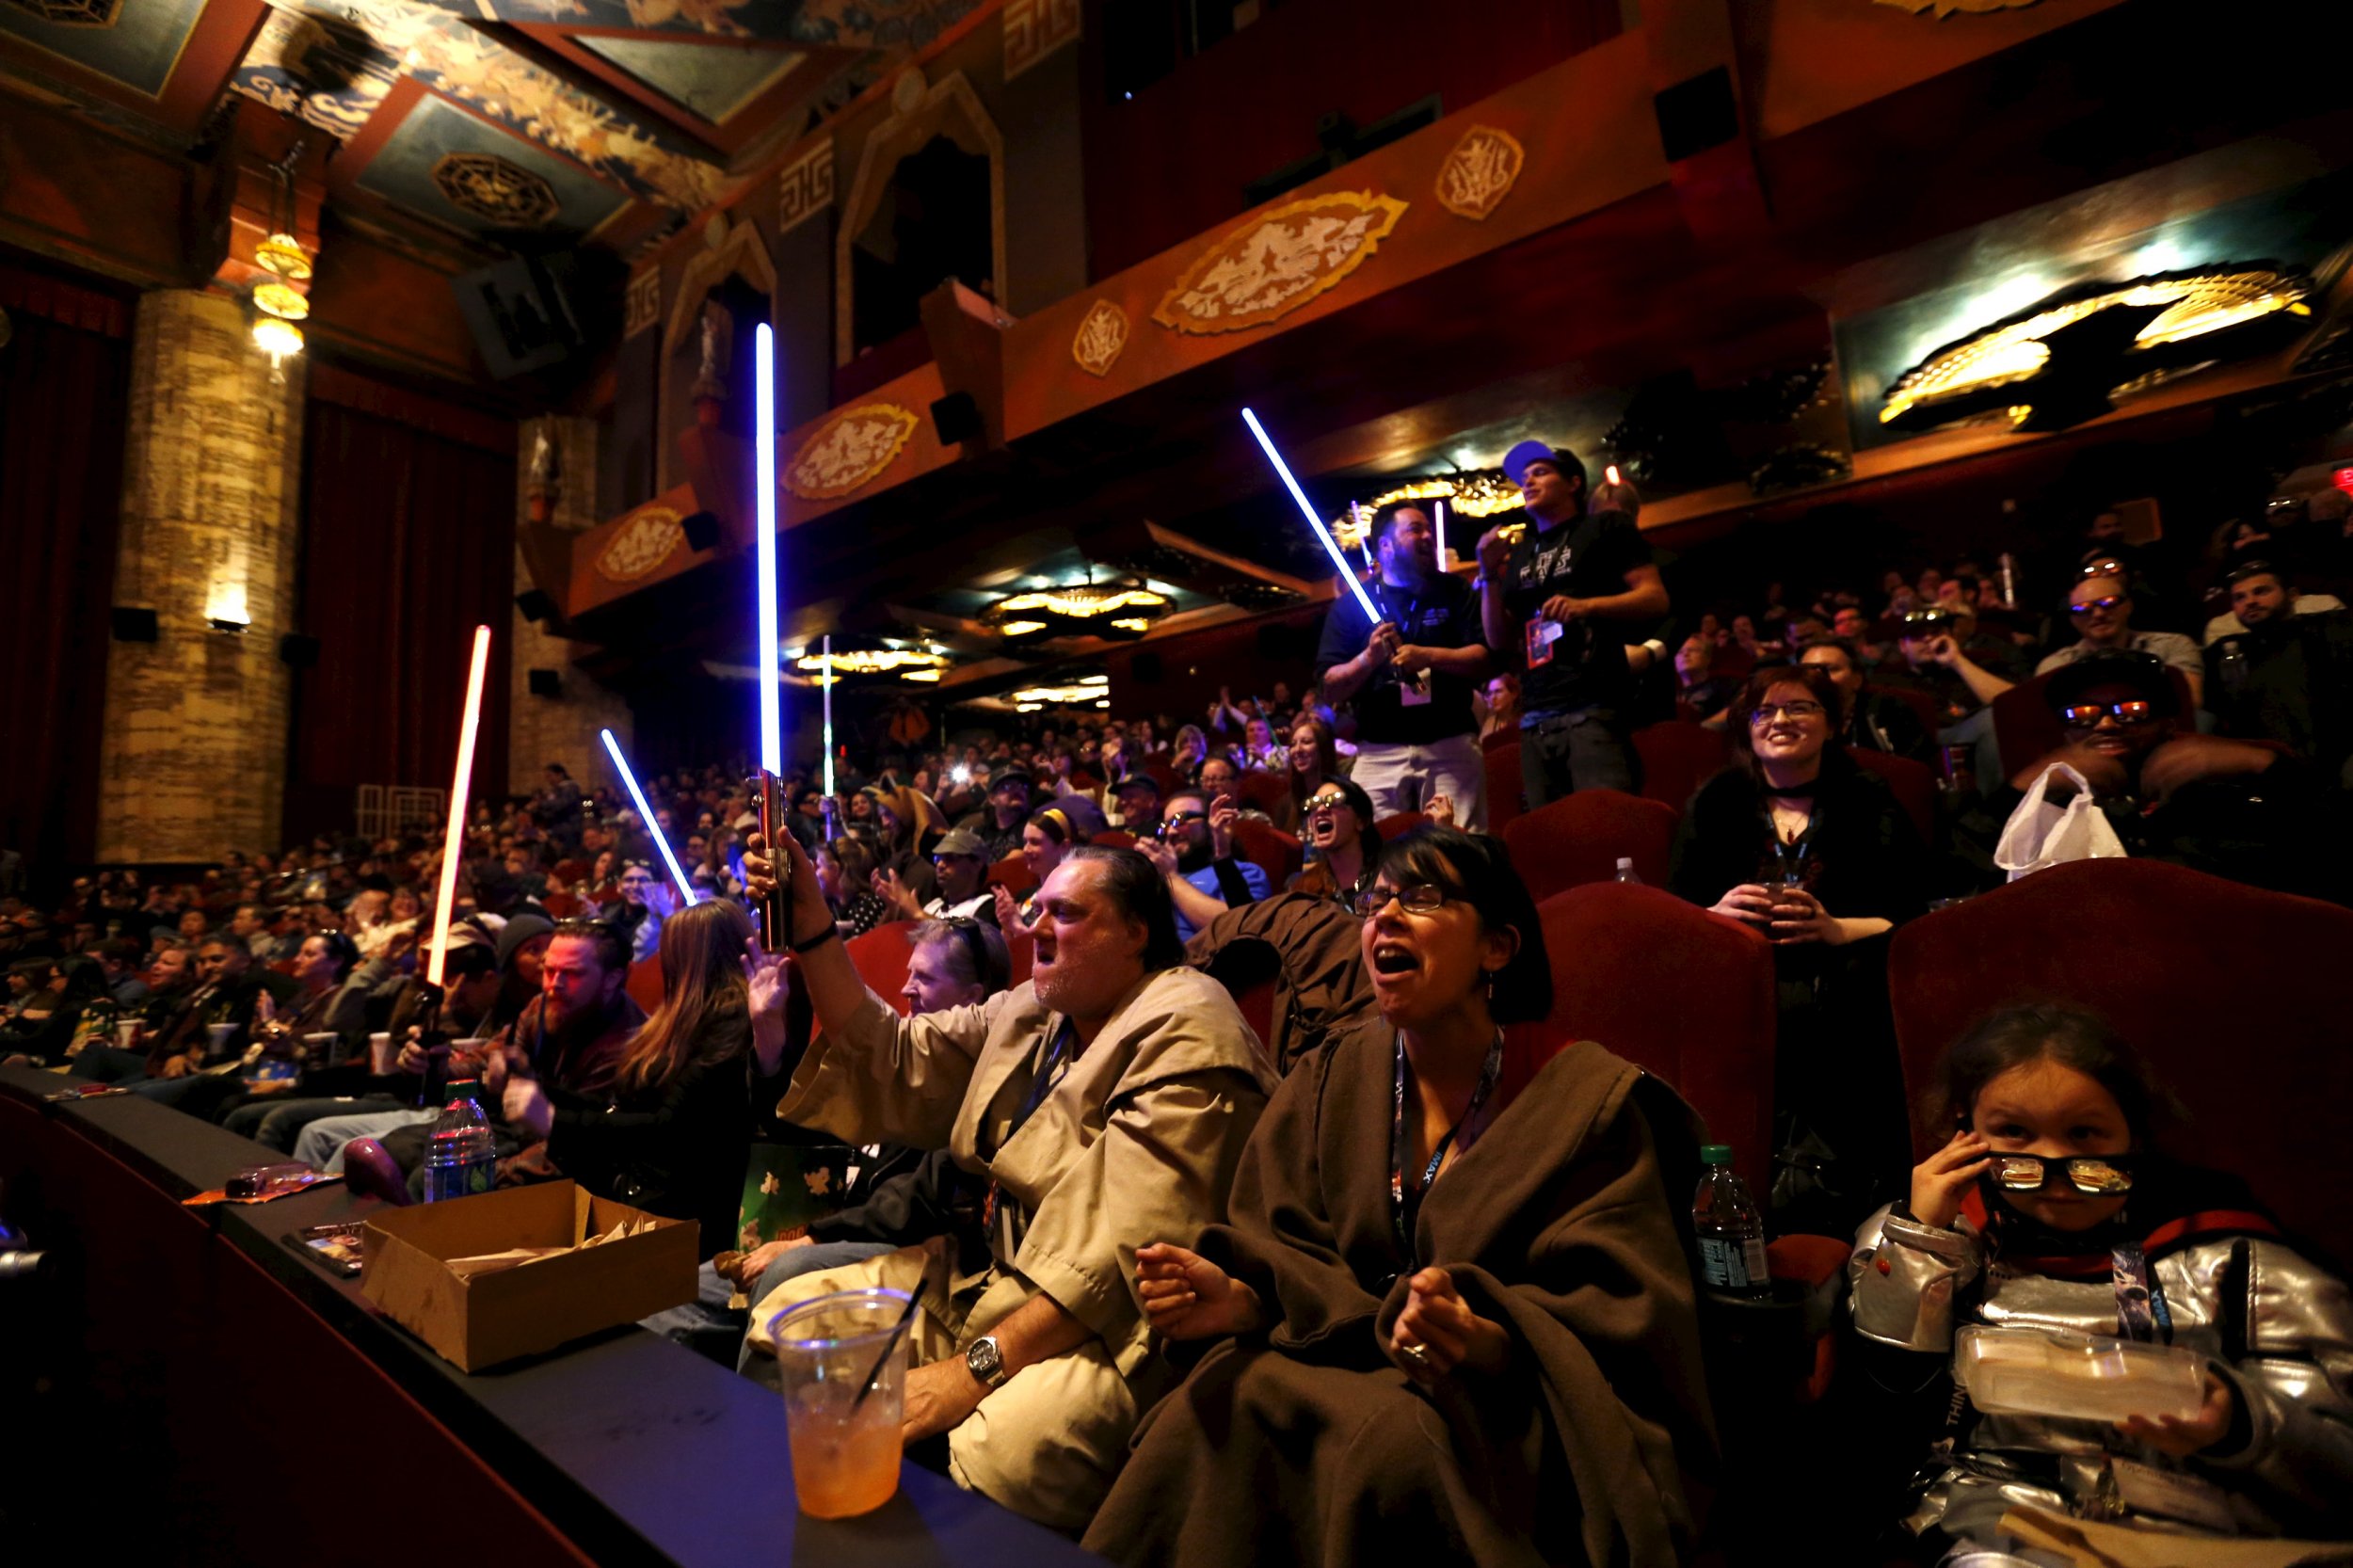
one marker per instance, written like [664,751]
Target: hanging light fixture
[278,339]
[1078,610]
[282,300]
[907,663]
[284,254]
[1480,494]
[1092,690]
[281,255]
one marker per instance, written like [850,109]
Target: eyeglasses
[1422,898]
[1176,821]
[1324,803]
[2090,604]
[1767,712]
[1928,617]
[2086,715]
[2104,1175]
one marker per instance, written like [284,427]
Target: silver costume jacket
[2275,1328]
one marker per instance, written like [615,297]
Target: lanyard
[1050,1068]
[1400,1211]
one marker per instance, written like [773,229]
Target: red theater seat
[1021,950]
[1504,795]
[1678,758]
[1922,705]
[1115,839]
[1914,785]
[1011,874]
[1167,778]
[1683,994]
[1579,840]
[2239,997]
[1272,849]
[1268,792]
[1395,828]
[881,958]
[644,985]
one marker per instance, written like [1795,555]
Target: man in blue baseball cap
[1556,602]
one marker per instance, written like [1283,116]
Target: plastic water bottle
[459,1159]
[1731,1231]
[1626,873]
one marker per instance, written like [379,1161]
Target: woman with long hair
[1449,1316]
[1802,845]
[1191,750]
[1343,845]
[2049,1205]
[1312,761]
[672,1132]
[845,871]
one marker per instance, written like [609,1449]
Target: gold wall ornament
[1278,262]
[1099,338]
[1946,8]
[851,448]
[485,186]
[1480,173]
[641,544]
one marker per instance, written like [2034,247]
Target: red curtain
[408,543]
[65,377]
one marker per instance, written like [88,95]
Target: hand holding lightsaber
[774,931]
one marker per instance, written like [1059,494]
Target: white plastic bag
[2043,833]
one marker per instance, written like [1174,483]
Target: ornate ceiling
[492,120]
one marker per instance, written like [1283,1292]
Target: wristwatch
[985,1361]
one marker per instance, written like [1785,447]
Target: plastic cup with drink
[845,1451]
[127,1034]
[381,1055]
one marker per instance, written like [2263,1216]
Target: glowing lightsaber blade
[1331,545]
[828,689]
[1364,535]
[764,488]
[774,935]
[645,814]
[1444,564]
[453,841]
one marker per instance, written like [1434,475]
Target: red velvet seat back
[1504,795]
[1021,950]
[1678,758]
[1115,839]
[1685,995]
[1011,874]
[1272,849]
[1578,839]
[2239,997]
[881,956]
[1395,828]
[1922,705]
[1914,785]
[1166,776]
[644,985]
[1268,792]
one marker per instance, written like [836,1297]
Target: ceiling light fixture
[1077,610]
[279,339]
[907,663]
[1094,689]
[2057,362]
[283,255]
[1480,494]
[282,300]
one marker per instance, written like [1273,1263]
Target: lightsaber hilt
[776,929]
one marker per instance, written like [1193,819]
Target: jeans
[279,1122]
[1563,753]
[1404,777]
[321,1143]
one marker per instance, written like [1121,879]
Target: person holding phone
[1194,856]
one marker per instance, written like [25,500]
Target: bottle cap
[1626,862]
[1715,1153]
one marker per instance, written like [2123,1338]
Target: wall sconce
[225,608]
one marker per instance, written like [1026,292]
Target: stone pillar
[193,759]
[544,729]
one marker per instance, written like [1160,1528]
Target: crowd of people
[1399,1301]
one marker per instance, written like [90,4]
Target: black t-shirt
[1584,665]
[1443,614]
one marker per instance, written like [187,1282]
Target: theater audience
[1800,844]
[41,1031]
[1007,816]
[1448,1322]
[2259,591]
[960,866]
[2050,1203]
[1106,1099]
[2286,676]
[1194,856]
[2102,608]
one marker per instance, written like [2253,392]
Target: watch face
[983,1360]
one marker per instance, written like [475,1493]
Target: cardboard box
[496,1316]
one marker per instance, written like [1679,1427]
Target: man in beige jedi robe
[1108,1098]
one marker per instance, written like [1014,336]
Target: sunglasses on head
[2103,1175]
[2085,715]
[2110,602]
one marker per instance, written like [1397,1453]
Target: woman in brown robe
[1448,1320]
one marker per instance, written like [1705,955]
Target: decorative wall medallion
[1034,29]
[487,186]
[850,450]
[1480,173]
[806,187]
[73,13]
[1946,8]
[642,305]
[1100,338]
[641,544]
[1278,262]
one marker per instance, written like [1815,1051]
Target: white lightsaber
[645,814]
[1439,506]
[453,841]
[826,687]
[1364,535]
[764,482]
[1331,545]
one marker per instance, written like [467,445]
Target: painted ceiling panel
[714,81]
[135,42]
[445,164]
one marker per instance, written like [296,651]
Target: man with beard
[1106,1099]
[1194,856]
[2222,806]
[2287,677]
[999,826]
[573,1036]
[1410,677]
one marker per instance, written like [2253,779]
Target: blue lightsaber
[764,488]
[645,814]
[1331,545]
